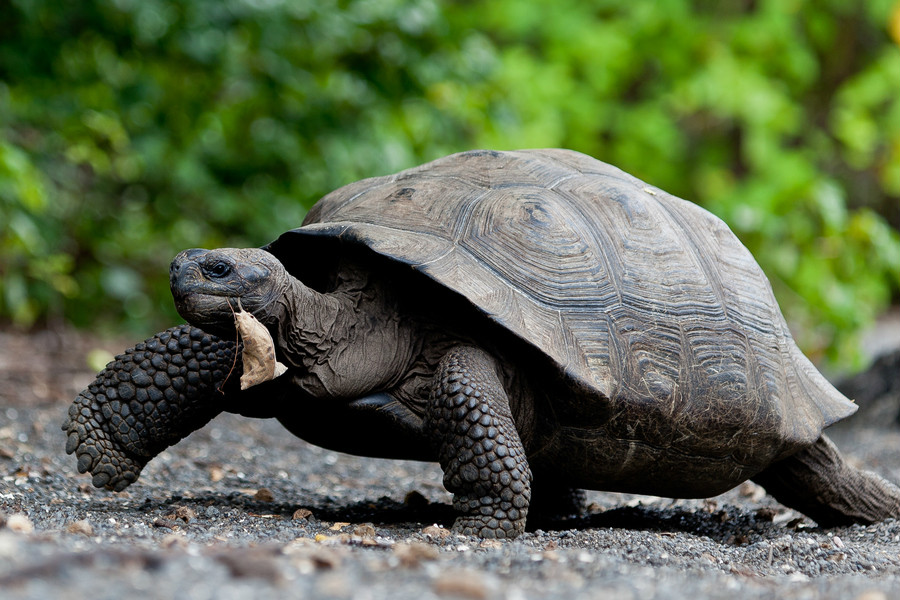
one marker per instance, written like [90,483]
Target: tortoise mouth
[208,310]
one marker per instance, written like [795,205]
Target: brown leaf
[264,495]
[301,514]
[259,351]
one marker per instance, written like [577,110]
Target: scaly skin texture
[149,398]
[479,448]
[818,482]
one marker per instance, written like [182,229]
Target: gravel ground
[243,509]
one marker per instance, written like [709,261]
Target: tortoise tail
[818,482]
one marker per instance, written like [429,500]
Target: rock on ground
[242,509]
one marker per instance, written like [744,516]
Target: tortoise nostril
[182,260]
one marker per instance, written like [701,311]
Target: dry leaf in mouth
[259,351]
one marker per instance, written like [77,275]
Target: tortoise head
[208,285]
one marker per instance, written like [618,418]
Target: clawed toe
[96,448]
[489,527]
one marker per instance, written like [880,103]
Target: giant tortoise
[537,321]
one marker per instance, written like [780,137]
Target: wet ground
[243,509]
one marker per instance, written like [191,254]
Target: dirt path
[242,509]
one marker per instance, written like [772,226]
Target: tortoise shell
[645,299]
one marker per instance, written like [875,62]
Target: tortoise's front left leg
[149,398]
[479,448]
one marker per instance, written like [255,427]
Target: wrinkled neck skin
[343,344]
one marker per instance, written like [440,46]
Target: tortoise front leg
[479,448]
[149,398]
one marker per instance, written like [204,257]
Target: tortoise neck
[347,343]
[307,323]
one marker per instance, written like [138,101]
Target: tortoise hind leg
[553,503]
[820,484]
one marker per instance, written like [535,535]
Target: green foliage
[157,125]
[36,274]
[131,129]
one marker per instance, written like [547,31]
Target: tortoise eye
[219,269]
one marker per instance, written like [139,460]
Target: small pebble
[257,563]
[365,530]
[83,527]
[754,492]
[313,558]
[264,495]
[551,555]
[185,513]
[173,540]
[415,553]
[437,532]
[333,586]
[216,474]
[765,514]
[464,584]
[19,523]
[167,522]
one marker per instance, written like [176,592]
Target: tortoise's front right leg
[149,398]
[478,446]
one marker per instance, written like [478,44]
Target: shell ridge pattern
[726,375]
[699,249]
[624,326]
[459,225]
[546,254]
[605,363]
[329,205]
[729,327]
[611,266]
[770,344]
